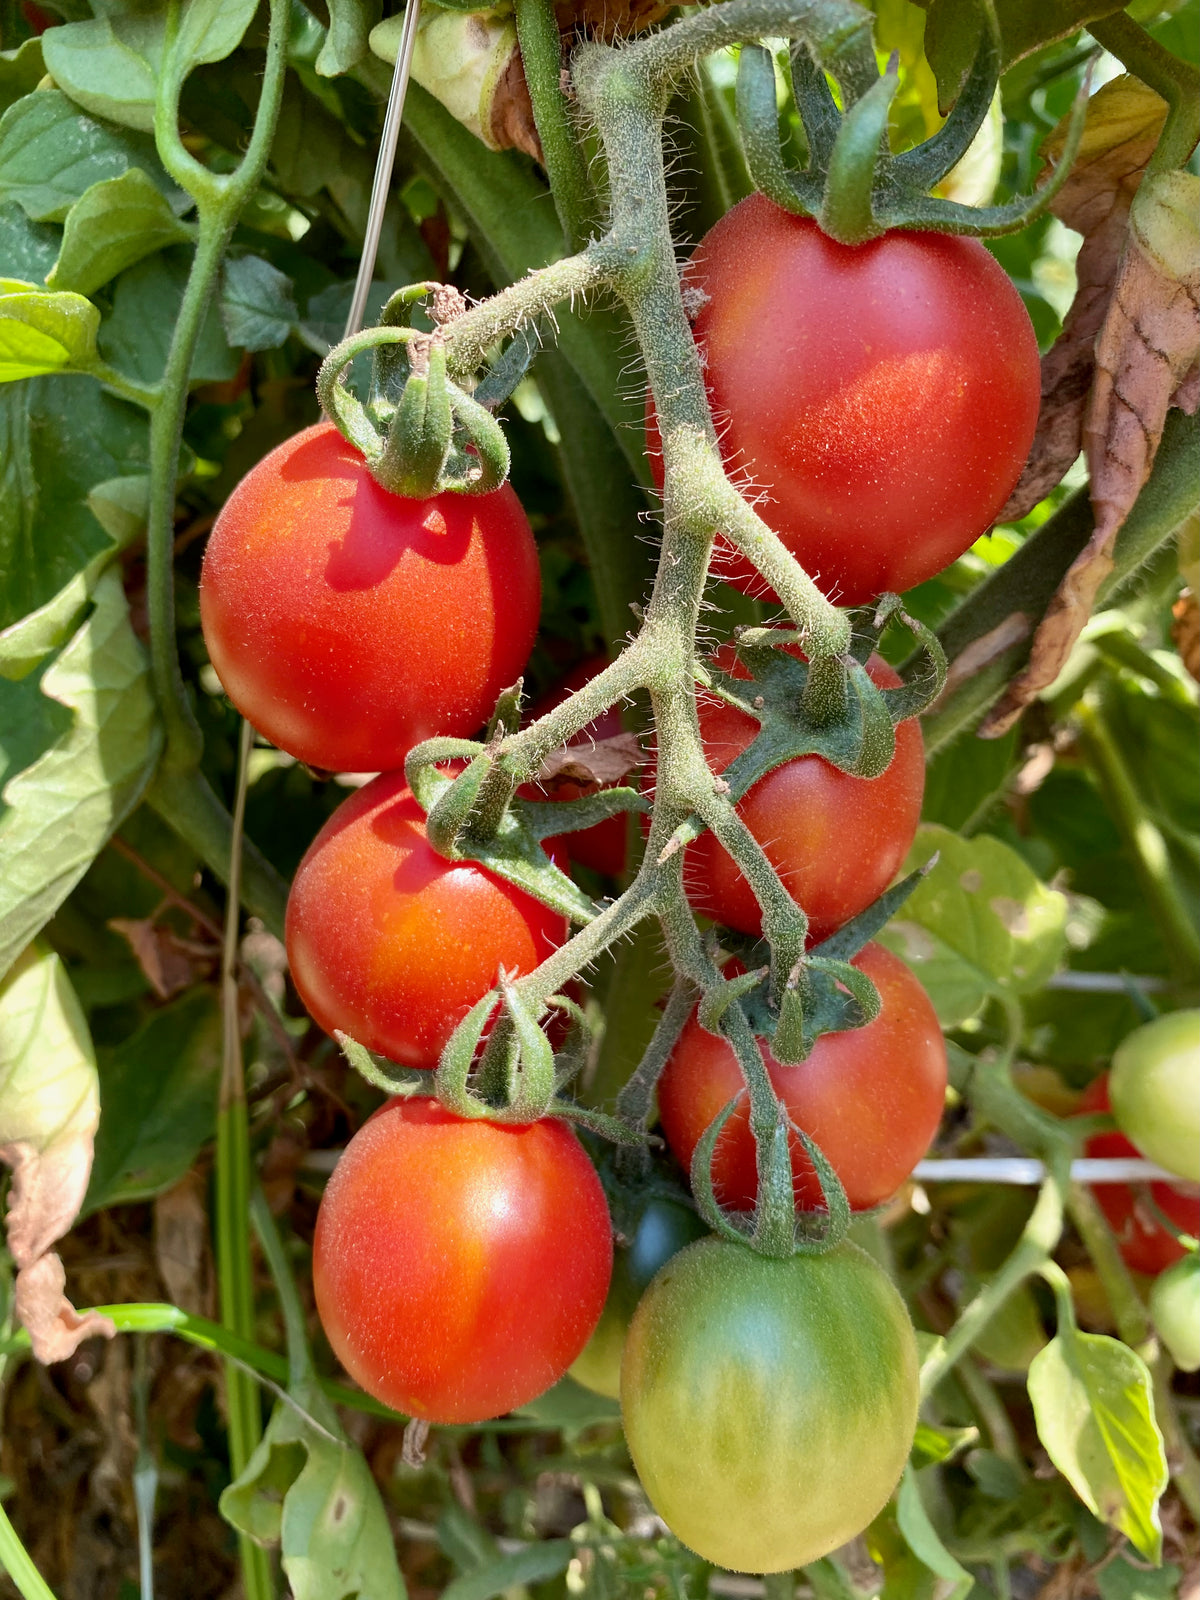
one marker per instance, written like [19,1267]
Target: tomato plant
[459,1267]
[880,397]
[662,1230]
[348,623]
[391,943]
[872,1097]
[1146,1243]
[1154,1087]
[769,1405]
[836,840]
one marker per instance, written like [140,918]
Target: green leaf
[49,1093]
[258,307]
[116,223]
[44,331]
[568,1405]
[21,70]
[63,807]
[158,1100]
[60,438]
[27,249]
[1121,1580]
[51,154]
[308,1490]
[110,64]
[981,922]
[136,336]
[1094,1407]
[350,22]
[952,33]
[922,1539]
[537,1563]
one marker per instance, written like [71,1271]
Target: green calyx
[854,187]
[420,432]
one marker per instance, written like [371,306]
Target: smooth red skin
[460,1267]
[604,847]
[872,1097]
[1145,1244]
[391,943]
[882,396]
[835,840]
[348,623]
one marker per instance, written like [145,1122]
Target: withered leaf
[171,964]
[1185,631]
[593,765]
[1124,120]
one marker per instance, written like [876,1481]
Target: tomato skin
[871,1097]
[835,840]
[602,848]
[391,943]
[663,1229]
[1145,1244]
[1154,1087]
[883,396]
[348,623]
[1175,1311]
[769,1405]
[459,1267]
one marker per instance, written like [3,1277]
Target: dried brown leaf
[1124,120]
[55,1328]
[1185,631]
[182,1252]
[512,124]
[1147,347]
[171,964]
[606,761]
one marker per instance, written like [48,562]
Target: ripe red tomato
[1144,1243]
[348,623]
[836,841]
[602,848]
[393,944]
[459,1267]
[872,1097]
[769,1405]
[882,396]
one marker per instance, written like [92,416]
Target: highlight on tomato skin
[348,623]
[879,400]
[870,1097]
[836,840]
[460,1266]
[1145,1244]
[393,944]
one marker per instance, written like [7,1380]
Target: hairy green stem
[566,167]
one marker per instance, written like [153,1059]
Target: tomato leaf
[110,64]
[63,806]
[136,336]
[21,70]
[979,923]
[27,249]
[258,307]
[51,154]
[350,23]
[537,1563]
[952,33]
[42,331]
[48,1110]
[117,222]
[60,440]
[922,1539]
[307,1489]
[158,1097]
[1094,1407]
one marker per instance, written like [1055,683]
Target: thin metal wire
[383,167]
[1026,1170]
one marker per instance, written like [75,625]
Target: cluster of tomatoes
[878,402]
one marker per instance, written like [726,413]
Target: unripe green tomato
[663,1229]
[1175,1311]
[769,1405]
[1154,1088]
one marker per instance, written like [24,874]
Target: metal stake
[383,167]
